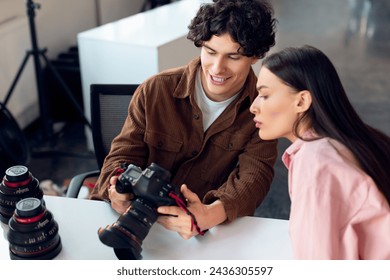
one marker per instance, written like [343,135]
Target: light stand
[36,52]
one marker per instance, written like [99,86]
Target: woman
[339,181]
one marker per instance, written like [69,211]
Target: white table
[247,238]
[130,50]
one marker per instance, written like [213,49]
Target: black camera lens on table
[151,190]
[17,183]
[33,232]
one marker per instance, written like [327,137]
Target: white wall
[57,22]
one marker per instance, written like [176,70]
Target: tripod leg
[67,90]
[12,87]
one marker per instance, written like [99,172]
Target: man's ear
[304,101]
[254,60]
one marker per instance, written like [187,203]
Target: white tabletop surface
[244,239]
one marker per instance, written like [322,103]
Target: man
[195,122]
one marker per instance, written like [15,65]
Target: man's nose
[219,65]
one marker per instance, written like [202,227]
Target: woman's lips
[258,124]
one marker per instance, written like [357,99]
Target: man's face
[224,69]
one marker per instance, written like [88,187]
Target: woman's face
[276,107]
[224,68]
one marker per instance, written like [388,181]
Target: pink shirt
[337,212]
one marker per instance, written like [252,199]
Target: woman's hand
[120,202]
[176,219]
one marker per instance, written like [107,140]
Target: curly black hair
[249,22]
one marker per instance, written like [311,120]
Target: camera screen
[134,173]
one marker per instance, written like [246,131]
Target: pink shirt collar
[296,146]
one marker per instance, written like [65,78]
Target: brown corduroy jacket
[228,162]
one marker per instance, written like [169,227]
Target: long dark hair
[331,114]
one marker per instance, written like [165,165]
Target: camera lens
[128,232]
[17,183]
[151,190]
[33,233]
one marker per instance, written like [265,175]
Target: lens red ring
[17,184]
[30,220]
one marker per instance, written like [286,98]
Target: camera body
[151,189]
[151,184]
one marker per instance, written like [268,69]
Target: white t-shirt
[210,109]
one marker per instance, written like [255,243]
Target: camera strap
[119,170]
[183,206]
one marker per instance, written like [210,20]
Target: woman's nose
[254,109]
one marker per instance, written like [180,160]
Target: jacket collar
[186,84]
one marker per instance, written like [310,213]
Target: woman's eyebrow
[258,88]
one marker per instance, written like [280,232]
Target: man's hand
[176,219]
[120,202]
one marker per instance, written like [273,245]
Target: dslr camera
[151,189]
